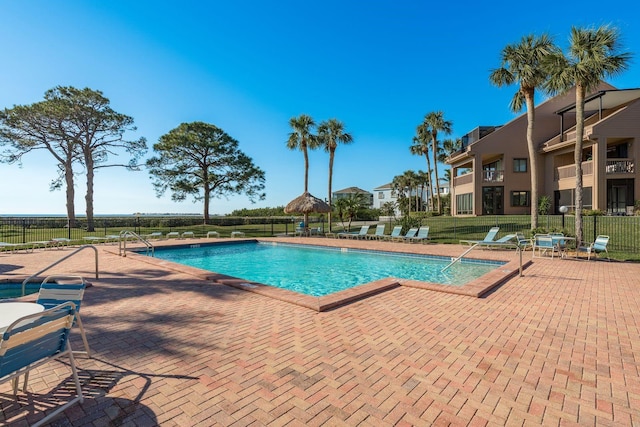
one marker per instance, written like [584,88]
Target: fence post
[595,225]
[24,230]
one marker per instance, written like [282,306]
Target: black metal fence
[624,231]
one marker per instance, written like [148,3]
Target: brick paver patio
[559,346]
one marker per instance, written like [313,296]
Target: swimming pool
[318,270]
[14,290]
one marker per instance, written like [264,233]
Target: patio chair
[212,234]
[32,341]
[56,290]
[154,235]
[173,235]
[491,235]
[543,243]
[394,233]
[600,245]
[421,235]
[188,235]
[378,234]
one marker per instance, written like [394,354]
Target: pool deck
[558,346]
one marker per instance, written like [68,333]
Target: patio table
[12,311]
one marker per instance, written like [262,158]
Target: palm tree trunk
[429,202]
[306,169]
[435,168]
[331,154]
[533,156]
[577,157]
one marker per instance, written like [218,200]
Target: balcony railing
[620,166]
[492,176]
[569,171]
[467,178]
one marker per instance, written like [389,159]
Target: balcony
[569,171]
[492,176]
[467,178]
[620,166]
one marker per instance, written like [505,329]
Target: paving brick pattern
[559,347]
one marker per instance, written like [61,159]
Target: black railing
[624,231]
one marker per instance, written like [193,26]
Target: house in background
[385,194]
[491,172]
[347,192]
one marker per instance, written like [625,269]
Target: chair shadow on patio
[96,385]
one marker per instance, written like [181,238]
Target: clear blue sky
[249,66]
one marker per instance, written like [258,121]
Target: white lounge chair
[212,234]
[173,235]
[188,234]
[359,235]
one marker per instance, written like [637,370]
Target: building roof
[388,186]
[604,99]
[351,190]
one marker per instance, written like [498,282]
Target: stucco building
[491,172]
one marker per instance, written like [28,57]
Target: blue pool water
[14,290]
[319,271]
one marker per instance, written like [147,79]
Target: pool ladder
[122,242]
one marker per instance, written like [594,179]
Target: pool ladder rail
[81,248]
[124,237]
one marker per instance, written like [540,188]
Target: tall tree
[523,63]
[201,160]
[420,147]
[302,138]
[436,123]
[98,131]
[26,128]
[330,134]
[74,126]
[593,55]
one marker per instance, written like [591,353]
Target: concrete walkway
[559,346]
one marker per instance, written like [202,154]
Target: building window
[464,204]
[520,198]
[381,195]
[520,165]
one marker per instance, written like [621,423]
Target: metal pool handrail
[122,243]
[24,283]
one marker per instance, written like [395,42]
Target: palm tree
[404,185]
[301,138]
[420,147]
[330,134]
[593,55]
[435,123]
[423,180]
[523,63]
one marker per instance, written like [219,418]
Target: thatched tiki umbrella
[306,204]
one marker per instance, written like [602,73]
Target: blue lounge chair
[491,235]
[421,236]
[359,235]
[394,233]
[410,234]
[379,233]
